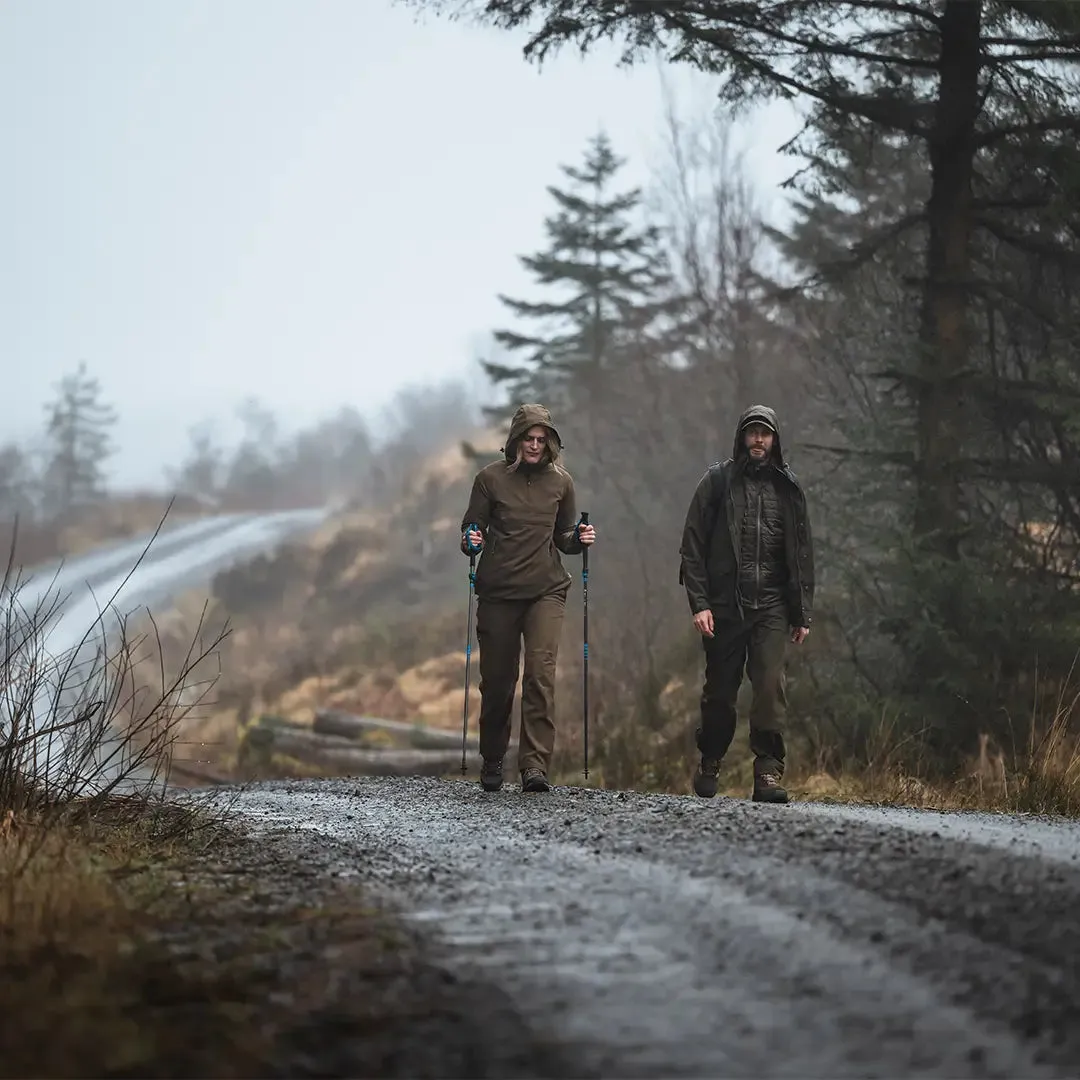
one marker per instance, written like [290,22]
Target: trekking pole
[468,647]
[585,644]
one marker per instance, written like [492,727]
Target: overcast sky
[311,201]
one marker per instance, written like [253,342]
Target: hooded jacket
[763,544]
[528,515]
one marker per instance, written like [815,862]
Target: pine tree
[79,443]
[605,278]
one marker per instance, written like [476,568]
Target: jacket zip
[733,536]
[757,557]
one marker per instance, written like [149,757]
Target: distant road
[122,577]
[181,558]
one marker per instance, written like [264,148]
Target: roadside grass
[154,941]
[88,985]
[1039,773]
[88,843]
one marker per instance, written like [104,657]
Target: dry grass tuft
[85,828]
[84,969]
[1039,774]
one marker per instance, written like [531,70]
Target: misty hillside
[367,615]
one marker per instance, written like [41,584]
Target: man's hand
[587,534]
[474,537]
[703,621]
[799,634]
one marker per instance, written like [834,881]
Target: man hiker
[748,569]
[521,513]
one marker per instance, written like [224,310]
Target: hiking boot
[534,780]
[491,775]
[707,777]
[767,789]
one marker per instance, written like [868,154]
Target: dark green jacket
[709,565]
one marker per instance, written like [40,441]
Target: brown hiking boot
[534,780]
[707,778]
[767,789]
[491,775]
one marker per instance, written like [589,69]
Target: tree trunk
[944,330]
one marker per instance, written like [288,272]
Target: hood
[524,418]
[758,414]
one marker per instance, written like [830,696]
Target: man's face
[533,444]
[759,441]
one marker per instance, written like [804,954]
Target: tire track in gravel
[658,935]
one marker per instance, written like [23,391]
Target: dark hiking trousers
[500,627]
[757,644]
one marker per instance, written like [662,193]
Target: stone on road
[647,935]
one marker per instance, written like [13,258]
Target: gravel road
[638,935]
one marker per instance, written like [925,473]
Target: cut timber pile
[334,743]
[349,726]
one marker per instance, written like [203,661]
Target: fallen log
[420,736]
[350,726]
[344,756]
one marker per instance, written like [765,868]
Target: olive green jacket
[527,515]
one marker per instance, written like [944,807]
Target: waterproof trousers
[501,626]
[756,644]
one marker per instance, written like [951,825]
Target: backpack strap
[719,475]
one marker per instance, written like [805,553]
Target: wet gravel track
[637,935]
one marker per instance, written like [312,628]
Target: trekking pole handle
[469,546]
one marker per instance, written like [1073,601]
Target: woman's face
[533,444]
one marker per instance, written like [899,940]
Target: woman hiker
[521,514]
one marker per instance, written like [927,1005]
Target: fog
[310,204]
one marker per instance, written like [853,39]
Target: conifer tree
[79,443]
[604,278]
